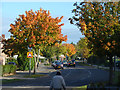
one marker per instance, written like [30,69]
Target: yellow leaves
[61,17]
[48,13]
[65,38]
[61,25]
[26,12]
[38,27]
[106,47]
[70,49]
[101,41]
[113,42]
[12,26]
[89,24]
[42,25]
[109,44]
[40,9]
[83,26]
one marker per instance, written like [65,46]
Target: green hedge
[7,69]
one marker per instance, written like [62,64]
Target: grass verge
[34,76]
[4,81]
[83,64]
[116,80]
[81,88]
[47,64]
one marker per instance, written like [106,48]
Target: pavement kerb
[67,87]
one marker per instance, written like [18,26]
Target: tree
[36,29]
[100,23]
[48,52]
[82,49]
[69,49]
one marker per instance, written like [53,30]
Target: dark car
[13,63]
[64,63]
[54,63]
[118,64]
[71,63]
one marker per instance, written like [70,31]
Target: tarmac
[42,69]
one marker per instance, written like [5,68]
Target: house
[2,55]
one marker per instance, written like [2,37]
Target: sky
[11,10]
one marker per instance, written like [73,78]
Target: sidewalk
[42,69]
[104,67]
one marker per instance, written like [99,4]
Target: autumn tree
[69,49]
[36,29]
[100,23]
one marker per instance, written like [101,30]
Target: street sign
[29,54]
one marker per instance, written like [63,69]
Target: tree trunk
[111,71]
[35,66]
[36,61]
[83,60]
[38,56]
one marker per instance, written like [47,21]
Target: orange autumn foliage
[37,28]
[70,49]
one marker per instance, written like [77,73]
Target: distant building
[2,55]
[61,57]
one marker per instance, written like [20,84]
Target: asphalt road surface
[78,76]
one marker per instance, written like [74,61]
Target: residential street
[78,76]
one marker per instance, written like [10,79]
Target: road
[78,76]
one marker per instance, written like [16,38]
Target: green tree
[100,23]
[82,48]
[48,52]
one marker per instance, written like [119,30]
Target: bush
[97,60]
[98,85]
[8,69]
[11,59]
[42,60]
[23,63]
[118,80]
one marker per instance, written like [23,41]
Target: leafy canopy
[100,23]
[35,29]
[69,49]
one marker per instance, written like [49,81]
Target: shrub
[12,69]
[7,69]
[118,83]
[42,60]
[23,63]
[97,60]
[11,59]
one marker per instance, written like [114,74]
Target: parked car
[118,64]
[57,64]
[71,63]
[13,63]
[64,62]
[54,63]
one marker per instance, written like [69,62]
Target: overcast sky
[11,10]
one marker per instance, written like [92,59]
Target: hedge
[8,69]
